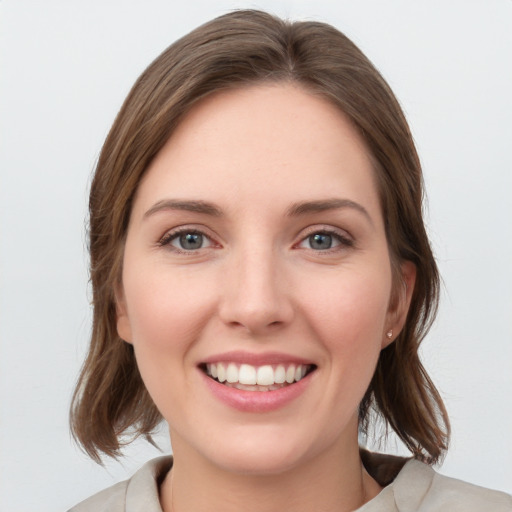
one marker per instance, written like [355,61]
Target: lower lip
[257,401]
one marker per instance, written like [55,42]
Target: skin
[257,284]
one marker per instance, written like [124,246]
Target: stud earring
[389,334]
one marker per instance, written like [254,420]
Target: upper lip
[241,357]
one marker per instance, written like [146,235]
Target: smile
[247,377]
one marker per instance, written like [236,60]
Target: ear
[399,305]
[124,328]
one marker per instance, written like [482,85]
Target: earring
[389,334]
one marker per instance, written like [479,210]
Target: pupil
[191,241]
[320,241]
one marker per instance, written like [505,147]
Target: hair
[111,405]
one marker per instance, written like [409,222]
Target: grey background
[65,68]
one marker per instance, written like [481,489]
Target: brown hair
[237,49]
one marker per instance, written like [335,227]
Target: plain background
[65,68]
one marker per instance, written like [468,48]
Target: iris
[320,241]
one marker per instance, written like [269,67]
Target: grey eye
[320,241]
[189,241]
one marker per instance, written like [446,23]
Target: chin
[259,463]
[259,455]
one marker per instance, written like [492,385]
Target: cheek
[167,313]
[349,314]
[164,308]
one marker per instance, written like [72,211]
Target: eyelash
[343,241]
[169,237]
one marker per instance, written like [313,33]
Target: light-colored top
[416,488]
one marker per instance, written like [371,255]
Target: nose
[256,296]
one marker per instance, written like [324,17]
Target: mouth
[247,377]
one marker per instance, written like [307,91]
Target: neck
[335,481]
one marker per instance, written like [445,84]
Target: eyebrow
[296,209]
[189,206]
[303,208]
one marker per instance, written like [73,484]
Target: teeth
[265,376]
[256,378]
[221,372]
[290,374]
[247,374]
[280,374]
[232,373]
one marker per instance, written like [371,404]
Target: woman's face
[256,254]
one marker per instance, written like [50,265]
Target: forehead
[272,141]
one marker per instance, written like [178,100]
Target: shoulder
[425,489]
[111,499]
[140,492]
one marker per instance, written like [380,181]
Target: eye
[320,241]
[186,240]
[325,240]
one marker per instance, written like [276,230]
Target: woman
[262,280]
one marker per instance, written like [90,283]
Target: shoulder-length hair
[110,403]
